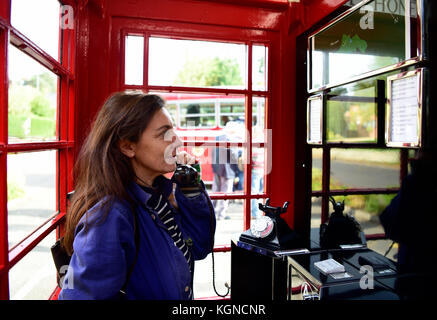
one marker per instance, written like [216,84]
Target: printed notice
[315,130]
[404,110]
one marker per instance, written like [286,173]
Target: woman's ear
[127,148]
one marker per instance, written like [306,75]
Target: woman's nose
[176,140]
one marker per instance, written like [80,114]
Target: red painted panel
[202,12]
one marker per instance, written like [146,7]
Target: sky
[38,21]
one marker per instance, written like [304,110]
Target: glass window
[202,286]
[173,110]
[352,113]
[31,192]
[258,119]
[38,21]
[197,114]
[134,60]
[316,212]
[366,209]
[316,171]
[232,110]
[258,169]
[197,63]
[34,276]
[367,39]
[32,112]
[364,168]
[257,184]
[216,161]
[259,67]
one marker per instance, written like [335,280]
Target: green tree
[40,106]
[210,72]
[20,98]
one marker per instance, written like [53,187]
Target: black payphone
[271,231]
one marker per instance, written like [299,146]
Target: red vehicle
[203,117]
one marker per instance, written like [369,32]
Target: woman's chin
[170,168]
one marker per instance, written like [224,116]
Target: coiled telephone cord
[211,209]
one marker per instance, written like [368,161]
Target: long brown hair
[102,171]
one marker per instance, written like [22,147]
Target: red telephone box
[103,46]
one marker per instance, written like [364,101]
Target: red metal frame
[4,39]
[64,144]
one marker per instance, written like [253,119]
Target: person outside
[224,167]
[257,182]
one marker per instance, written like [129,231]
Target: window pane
[366,209]
[352,113]
[259,170]
[316,172]
[258,120]
[32,111]
[172,108]
[316,212]
[197,63]
[197,115]
[232,110]
[34,276]
[202,283]
[218,172]
[31,192]
[134,60]
[370,38]
[39,22]
[364,168]
[206,116]
[259,68]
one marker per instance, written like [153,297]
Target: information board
[404,109]
[315,119]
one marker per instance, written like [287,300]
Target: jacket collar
[164,184]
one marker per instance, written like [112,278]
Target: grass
[14,190]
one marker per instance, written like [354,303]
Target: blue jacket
[104,252]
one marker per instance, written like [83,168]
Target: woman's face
[155,151]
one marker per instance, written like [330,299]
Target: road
[358,175]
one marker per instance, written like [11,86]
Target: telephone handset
[271,231]
[187,176]
[341,229]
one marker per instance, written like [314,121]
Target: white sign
[315,120]
[404,110]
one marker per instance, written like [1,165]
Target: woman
[132,232]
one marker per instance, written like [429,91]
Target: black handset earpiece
[186,176]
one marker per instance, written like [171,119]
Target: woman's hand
[185,158]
